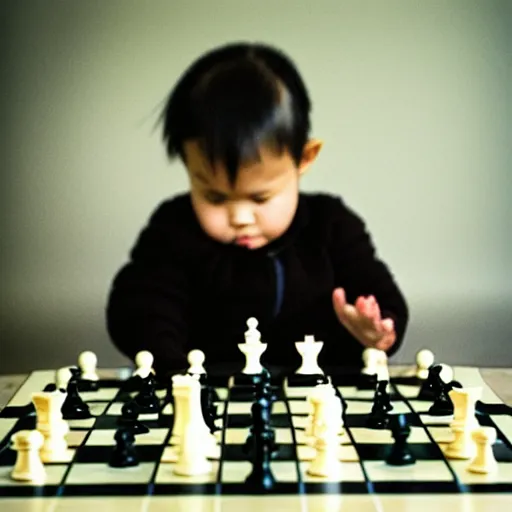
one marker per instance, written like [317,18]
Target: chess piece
[326,461]
[484,461]
[195,439]
[129,418]
[144,362]
[309,349]
[424,360]
[401,454]
[87,362]
[442,405]
[208,407]
[196,360]
[261,443]
[382,395]
[382,366]
[146,398]
[371,361]
[62,378]
[52,426]
[378,417]
[74,408]
[252,349]
[28,467]
[124,454]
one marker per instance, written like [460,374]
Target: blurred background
[413,100]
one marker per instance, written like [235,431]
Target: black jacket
[182,290]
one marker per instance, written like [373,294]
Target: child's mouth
[245,241]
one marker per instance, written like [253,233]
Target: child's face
[257,209]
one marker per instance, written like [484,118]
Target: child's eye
[260,199]
[214,197]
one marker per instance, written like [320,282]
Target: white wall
[413,100]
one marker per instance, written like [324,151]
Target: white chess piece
[196,360]
[424,360]
[195,437]
[484,461]
[446,374]
[309,349]
[326,462]
[382,367]
[88,362]
[144,361]
[29,466]
[371,358]
[62,378]
[51,424]
[252,348]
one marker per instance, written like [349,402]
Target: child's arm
[367,300]
[147,306]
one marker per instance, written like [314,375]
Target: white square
[364,435]
[299,421]
[6,425]
[222,393]
[75,438]
[297,392]
[166,475]
[103,395]
[88,423]
[351,392]
[422,470]
[54,474]
[502,475]
[299,407]
[100,473]
[238,471]
[115,409]
[346,453]
[441,434]
[349,472]
[426,419]
[420,405]
[407,390]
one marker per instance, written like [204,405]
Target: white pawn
[88,362]
[29,466]
[424,360]
[484,461]
[196,360]
[446,374]
[382,367]
[144,361]
[309,349]
[252,335]
[62,378]
[371,358]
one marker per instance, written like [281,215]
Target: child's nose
[241,215]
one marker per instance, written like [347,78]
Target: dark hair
[234,99]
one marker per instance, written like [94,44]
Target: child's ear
[309,154]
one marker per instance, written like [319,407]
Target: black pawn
[124,453]
[147,399]
[74,408]
[400,454]
[382,395]
[129,419]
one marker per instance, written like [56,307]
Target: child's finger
[388,324]
[339,301]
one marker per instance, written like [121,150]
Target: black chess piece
[442,405]
[382,395]
[129,419]
[261,413]
[400,454]
[146,398]
[74,408]
[124,453]
[378,417]
[209,407]
[261,478]
[367,381]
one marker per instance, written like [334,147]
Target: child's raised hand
[363,320]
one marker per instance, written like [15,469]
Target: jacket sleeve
[148,302]
[360,271]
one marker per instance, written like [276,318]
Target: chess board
[85,473]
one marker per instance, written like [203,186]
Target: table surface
[498,379]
